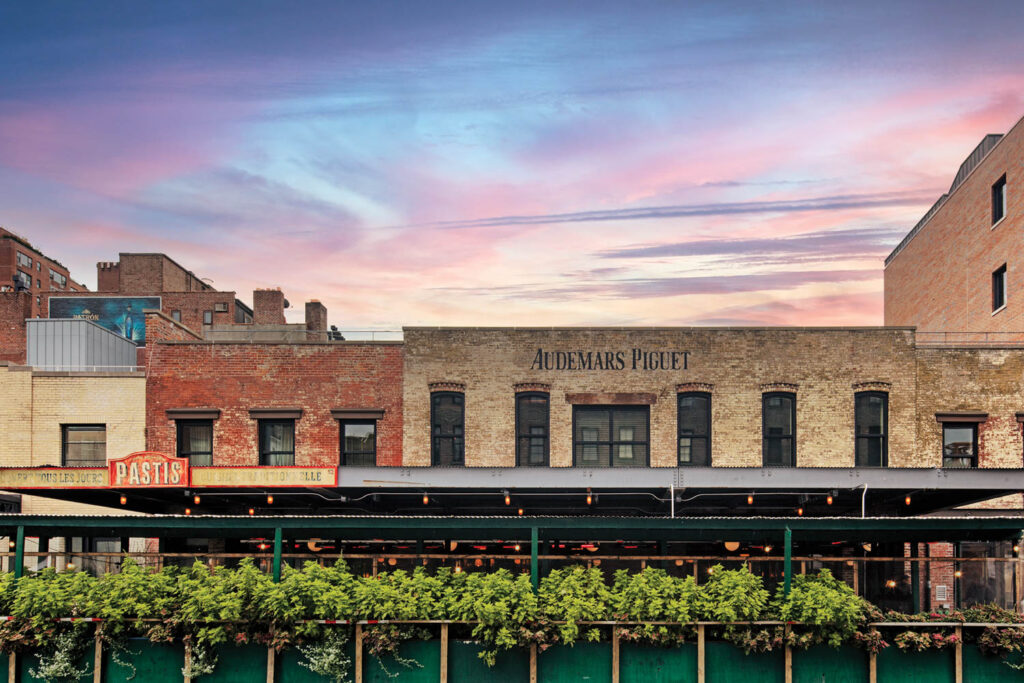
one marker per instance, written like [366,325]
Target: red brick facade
[237,378]
[14,308]
[43,274]
[942,279]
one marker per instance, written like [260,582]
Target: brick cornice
[872,386]
[524,387]
[687,387]
[779,386]
[446,386]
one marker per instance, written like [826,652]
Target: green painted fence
[582,663]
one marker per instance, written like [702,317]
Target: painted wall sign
[242,477]
[120,314]
[148,469]
[53,478]
[634,359]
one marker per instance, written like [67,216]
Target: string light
[800,512]
[195,499]
[252,511]
[426,499]
[188,511]
[270,500]
[829,500]
[508,498]
[124,500]
[520,512]
[590,499]
[907,500]
[516,547]
[750,500]
[767,548]
[958,573]
[71,565]
[458,568]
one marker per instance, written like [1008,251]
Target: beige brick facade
[36,405]
[737,364]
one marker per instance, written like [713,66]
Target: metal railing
[242,335]
[89,368]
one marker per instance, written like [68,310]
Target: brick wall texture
[235,378]
[37,404]
[826,366]
[942,280]
[14,308]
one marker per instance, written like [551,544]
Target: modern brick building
[960,270]
[25,268]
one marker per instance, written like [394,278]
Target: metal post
[915,579]
[787,567]
[534,571]
[277,555]
[19,553]
[956,579]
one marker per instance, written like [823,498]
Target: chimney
[268,307]
[316,316]
[108,276]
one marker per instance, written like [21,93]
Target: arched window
[532,419]
[694,425]
[778,412]
[871,417]
[447,420]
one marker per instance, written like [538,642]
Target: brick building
[25,268]
[960,270]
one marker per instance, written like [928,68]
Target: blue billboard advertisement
[120,314]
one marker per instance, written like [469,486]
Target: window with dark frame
[358,443]
[778,414]
[23,260]
[195,442]
[277,442]
[959,444]
[207,317]
[611,436]
[532,423]
[999,200]
[447,420]
[694,425]
[176,316]
[999,287]
[84,445]
[871,427]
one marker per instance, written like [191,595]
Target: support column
[188,663]
[271,664]
[534,570]
[359,654]
[701,675]
[444,653]
[615,655]
[19,553]
[789,655]
[533,664]
[277,555]
[872,668]
[959,654]
[97,658]
[915,579]
[787,562]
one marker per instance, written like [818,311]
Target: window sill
[998,222]
[999,310]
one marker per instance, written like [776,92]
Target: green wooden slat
[289,669]
[648,664]
[154,662]
[818,664]
[242,664]
[427,653]
[726,663]
[583,662]
[982,668]
[464,666]
[29,661]
[897,666]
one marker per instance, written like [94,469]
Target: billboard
[120,314]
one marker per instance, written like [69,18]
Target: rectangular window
[176,316]
[84,445]
[778,414]
[58,279]
[694,421]
[207,317]
[23,280]
[999,200]
[195,442]
[220,307]
[24,261]
[959,444]
[871,418]
[359,443]
[999,288]
[277,443]
[532,417]
[610,436]
[447,419]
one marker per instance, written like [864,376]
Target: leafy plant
[574,594]
[326,656]
[822,601]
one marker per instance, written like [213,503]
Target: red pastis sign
[148,469]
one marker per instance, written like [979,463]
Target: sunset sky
[484,163]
